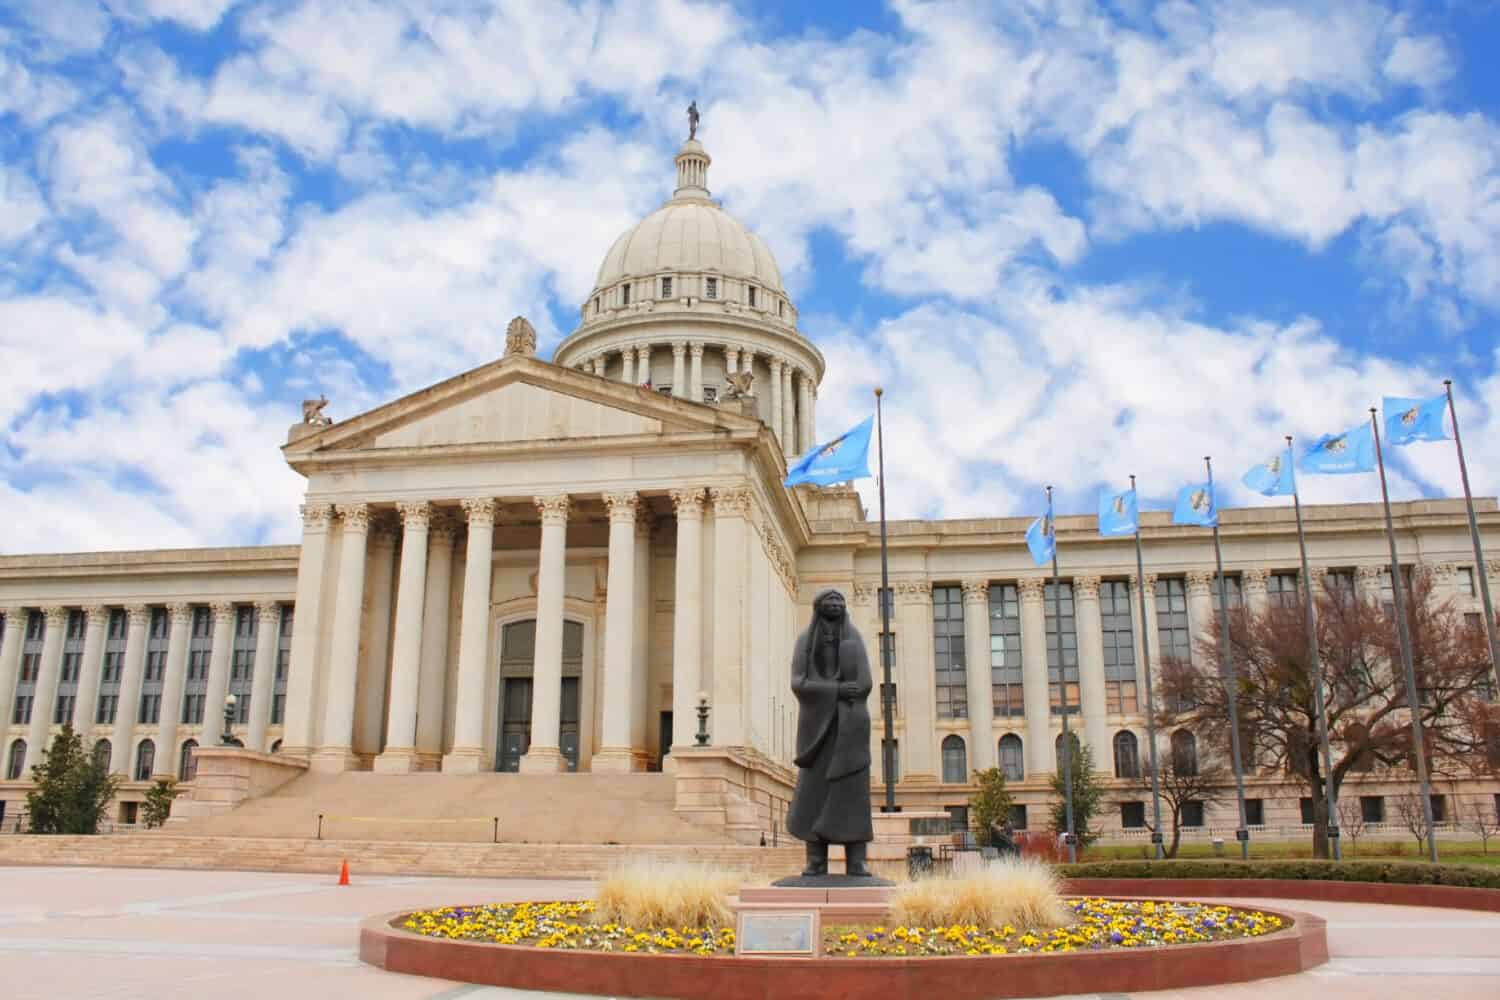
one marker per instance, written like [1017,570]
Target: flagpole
[887,709]
[1315,665]
[1140,576]
[1413,703]
[1226,676]
[1479,565]
[1062,687]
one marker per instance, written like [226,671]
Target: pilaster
[731,571]
[982,749]
[1034,685]
[1091,668]
[46,686]
[86,702]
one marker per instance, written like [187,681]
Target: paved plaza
[127,933]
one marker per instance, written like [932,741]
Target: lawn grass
[1465,852]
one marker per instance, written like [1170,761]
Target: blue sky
[1073,241]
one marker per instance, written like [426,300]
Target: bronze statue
[312,412]
[693,120]
[831,680]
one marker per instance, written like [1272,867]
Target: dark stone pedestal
[831,881]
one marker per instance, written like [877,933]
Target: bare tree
[1484,816]
[1185,780]
[1409,811]
[1364,695]
[1352,822]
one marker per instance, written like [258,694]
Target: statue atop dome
[692,114]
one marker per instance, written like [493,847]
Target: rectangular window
[1307,811]
[752,296]
[665,390]
[1439,808]
[1255,812]
[666,288]
[113,667]
[711,288]
[1018,816]
[31,666]
[1340,584]
[1281,590]
[1387,594]
[1119,647]
[625,294]
[1062,663]
[958,819]
[242,661]
[948,652]
[1192,813]
[283,665]
[1233,590]
[780,307]
[72,663]
[1005,651]
[1174,636]
[1133,815]
[1465,581]
[157,638]
[200,652]
[1372,808]
[710,394]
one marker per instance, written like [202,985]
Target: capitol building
[590,564]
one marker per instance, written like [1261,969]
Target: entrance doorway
[517,658]
[663,738]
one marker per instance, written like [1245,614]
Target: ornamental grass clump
[1019,893]
[666,894]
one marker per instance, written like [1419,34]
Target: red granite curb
[1399,894]
[1301,946]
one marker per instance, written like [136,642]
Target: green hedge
[1409,873]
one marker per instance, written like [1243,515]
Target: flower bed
[1101,925]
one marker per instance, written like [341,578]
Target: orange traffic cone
[344,872]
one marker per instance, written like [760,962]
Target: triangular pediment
[517,400]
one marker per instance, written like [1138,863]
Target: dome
[691,234]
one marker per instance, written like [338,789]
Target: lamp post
[227,739]
[702,736]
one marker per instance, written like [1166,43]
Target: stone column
[400,753]
[916,682]
[695,383]
[1254,583]
[173,682]
[601,363]
[10,660]
[86,703]
[1202,603]
[982,750]
[374,661]
[467,754]
[641,647]
[335,750]
[302,672]
[437,614]
[680,387]
[614,753]
[1091,668]
[545,756]
[627,356]
[804,421]
[263,679]
[731,547]
[788,413]
[812,416]
[130,688]
[643,364]
[46,686]
[1035,694]
[731,360]
[687,621]
[774,421]
[218,674]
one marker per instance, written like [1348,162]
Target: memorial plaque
[777,932]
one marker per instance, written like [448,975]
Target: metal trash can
[918,861]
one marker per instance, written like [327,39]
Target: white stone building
[539,566]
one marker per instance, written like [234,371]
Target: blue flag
[1336,454]
[1118,514]
[1273,477]
[1041,539]
[844,458]
[1408,420]
[1195,505]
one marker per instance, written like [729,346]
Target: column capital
[553,508]
[356,516]
[622,506]
[180,612]
[479,511]
[223,612]
[1493,566]
[643,351]
[1086,587]
[695,347]
[1151,583]
[316,516]
[688,502]
[679,348]
[140,614]
[730,500]
[1444,572]
[1199,582]
[57,615]
[1254,580]
[15,614]
[1033,588]
[1369,576]
[414,514]
[268,610]
[96,614]
[776,365]
[912,591]
[976,590]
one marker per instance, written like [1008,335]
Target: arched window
[187,764]
[276,747]
[1012,760]
[16,760]
[102,751]
[145,760]
[1184,752]
[1075,748]
[955,761]
[1127,757]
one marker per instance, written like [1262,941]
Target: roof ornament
[692,113]
[312,412]
[520,338]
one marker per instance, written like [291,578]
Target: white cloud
[1422,62]
[21,205]
[200,15]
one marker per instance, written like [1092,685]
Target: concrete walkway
[125,933]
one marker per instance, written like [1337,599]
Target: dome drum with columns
[687,298]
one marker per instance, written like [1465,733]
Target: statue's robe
[832,800]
